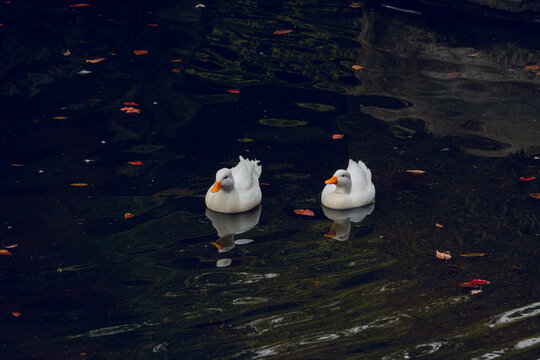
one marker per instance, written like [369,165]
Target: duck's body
[237,189]
[350,188]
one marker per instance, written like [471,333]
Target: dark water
[442,91]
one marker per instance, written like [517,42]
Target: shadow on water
[454,96]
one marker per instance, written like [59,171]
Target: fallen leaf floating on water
[531,67]
[131,110]
[78,5]
[140,52]
[135,163]
[175,60]
[529,178]
[200,5]
[439,225]
[475,292]
[305,212]
[281,32]
[233,91]
[96,60]
[337,136]
[67,53]
[16,165]
[152,25]
[5,252]
[264,184]
[79,184]
[442,255]
[176,71]
[357,67]
[128,215]
[16,314]
[10,246]
[60,117]
[475,54]
[416,171]
[469,285]
[473,254]
[131,103]
[356,4]
[535,195]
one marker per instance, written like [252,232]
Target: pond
[116,117]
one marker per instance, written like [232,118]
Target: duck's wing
[360,174]
[246,172]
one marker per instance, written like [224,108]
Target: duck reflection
[341,227]
[229,225]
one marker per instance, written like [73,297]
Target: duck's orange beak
[332,180]
[217,187]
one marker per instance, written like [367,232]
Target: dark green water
[440,91]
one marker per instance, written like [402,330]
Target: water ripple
[514,315]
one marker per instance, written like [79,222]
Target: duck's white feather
[360,192]
[243,195]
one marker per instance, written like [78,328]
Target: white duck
[235,190]
[349,188]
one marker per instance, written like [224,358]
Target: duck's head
[341,178]
[224,179]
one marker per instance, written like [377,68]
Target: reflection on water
[449,95]
[342,219]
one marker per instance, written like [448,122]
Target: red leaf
[128,215]
[530,178]
[175,60]
[140,52]
[78,5]
[96,60]
[79,184]
[131,103]
[152,25]
[337,136]
[357,67]
[233,91]
[130,110]
[535,195]
[5,252]
[281,32]
[135,163]
[10,246]
[305,212]
[442,255]
[16,314]
[479,282]
[264,184]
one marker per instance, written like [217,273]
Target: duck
[237,189]
[348,189]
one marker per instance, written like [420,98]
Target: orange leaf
[442,255]
[79,184]
[175,60]
[67,53]
[415,171]
[5,252]
[281,32]
[176,71]
[357,67]
[78,5]
[531,67]
[140,52]
[128,215]
[233,91]
[475,54]
[305,212]
[16,314]
[473,254]
[130,110]
[535,195]
[96,60]
[17,165]
[337,136]
[135,163]
[131,103]
[356,4]
[530,178]
[152,25]
[264,184]
[10,246]
[439,225]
